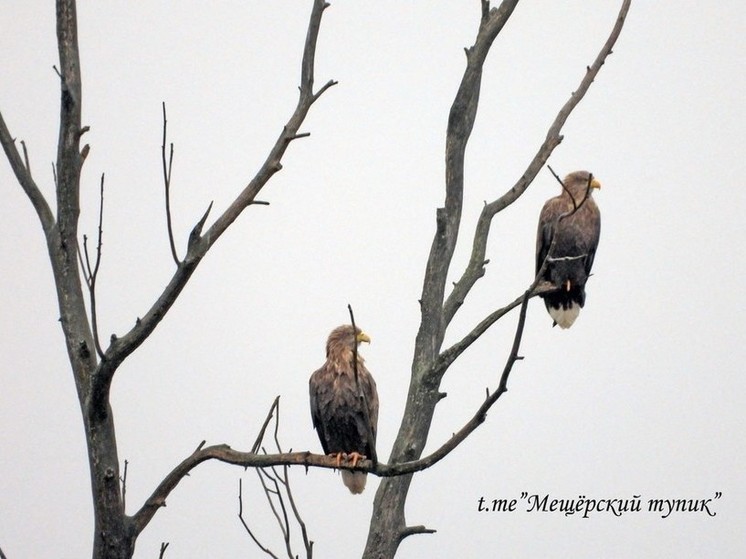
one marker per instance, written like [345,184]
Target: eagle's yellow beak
[362,337]
[595,184]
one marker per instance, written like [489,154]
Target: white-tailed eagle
[345,409]
[577,234]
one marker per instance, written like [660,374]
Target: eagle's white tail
[354,481]
[565,317]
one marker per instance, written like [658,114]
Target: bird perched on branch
[573,218]
[344,404]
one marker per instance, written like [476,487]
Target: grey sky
[643,396]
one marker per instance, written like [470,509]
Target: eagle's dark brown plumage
[345,422]
[569,265]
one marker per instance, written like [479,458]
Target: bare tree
[95,365]
[430,362]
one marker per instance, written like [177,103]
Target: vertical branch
[277,489]
[124,485]
[308,544]
[164,547]
[258,442]
[360,393]
[69,160]
[167,166]
[246,526]
[90,274]
[388,526]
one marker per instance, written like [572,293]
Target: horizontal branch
[475,268]
[225,453]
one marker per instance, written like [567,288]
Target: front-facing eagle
[345,409]
[577,234]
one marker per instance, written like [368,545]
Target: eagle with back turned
[344,409]
[577,233]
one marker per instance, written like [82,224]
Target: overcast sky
[643,396]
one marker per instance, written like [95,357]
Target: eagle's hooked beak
[595,183]
[362,337]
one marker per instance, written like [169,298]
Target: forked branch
[23,175]
[279,495]
[200,243]
[475,268]
[226,454]
[90,274]
[167,165]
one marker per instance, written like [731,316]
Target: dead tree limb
[167,165]
[277,490]
[93,367]
[475,269]
[388,526]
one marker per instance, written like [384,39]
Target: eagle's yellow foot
[338,457]
[355,457]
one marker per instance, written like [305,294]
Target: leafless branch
[25,158]
[277,490]
[412,530]
[164,546]
[246,526]
[2,555]
[448,356]
[274,495]
[167,166]
[23,175]
[478,418]
[123,479]
[575,204]
[475,268]
[199,244]
[307,543]
[258,443]
[90,274]
[360,393]
[226,454]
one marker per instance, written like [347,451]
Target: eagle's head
[580,182]
[342,340]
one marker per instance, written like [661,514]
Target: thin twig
[258,442]
[246,526]
[308,544]
[277,490]
[360,393]
[24,178]
[576,206]
[164,546]
[25,157]
[93,273]
[282,516]
[123,478]
[167,166]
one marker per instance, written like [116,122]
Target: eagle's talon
[356,457]
[337,458]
